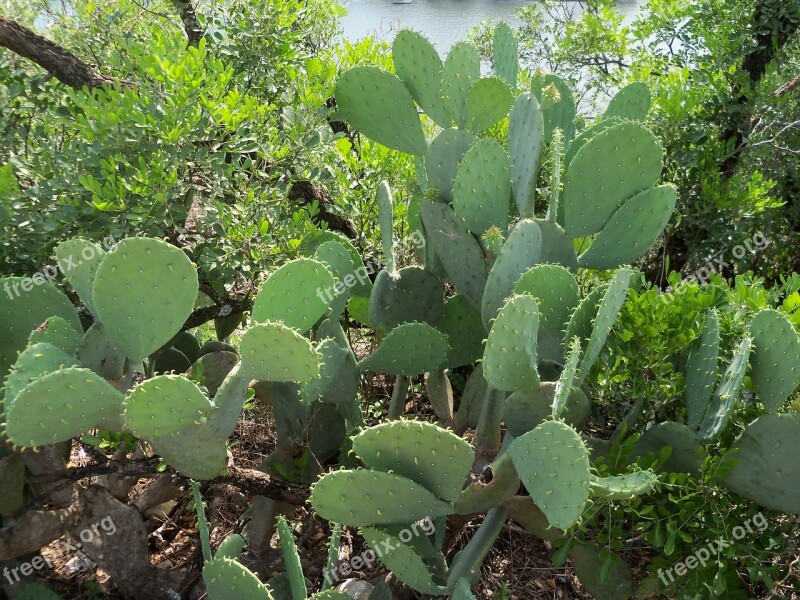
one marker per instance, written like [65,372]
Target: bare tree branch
[61,63]
[191,24]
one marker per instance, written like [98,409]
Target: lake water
[443,22]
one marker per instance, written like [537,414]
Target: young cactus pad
[274,352]
[431,456]
[624,487]
[297,294]
[365,498]
[144,291]
[553,463]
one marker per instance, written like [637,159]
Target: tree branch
[191,24]
[61,63]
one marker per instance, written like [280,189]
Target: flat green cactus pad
[144,291]
[509,361]
[461,323]
[469,409]
[408,295]
[632,102]
[274,352]
[624,487]
[297,294]
[580,323]
[775,371]
[557,247]
[482,190]
[445,153]
[584,136]
[211,369]
[194,451]
[498,482]
[402,561]
[727,394]
[524,410]
[488,101]
[172,361]
[607,313]
[558,105]
[418,65]
[226,578]
[765,470]
[36,360]
[433,457]
[566,381]
[163,405]
[613,166]
[58,332]
[687,452]
[386,223]
[701,370]
[79,260]
[225,326]
[98,352]
[588,561]
[505,55]
[462,68]
[553,463]
[632,229]
[61,405]
[410,349]
[525,146]
[459,251]
[24,310]
[379,104]
[188,344]
[364,498]
[556,290]
[521,250]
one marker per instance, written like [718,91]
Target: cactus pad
[521,251]
[377,103]
[558,105]
[505,55]
[461,323]
[727,394]
[79,260]
[23,311]
[433,457]
[632,230]
[144,291]
[556,291]
[445,153]
[98,352]
[590,561]
[525,410]
[194,451]
[59,333]
[418,65]
[509,361]
[632,102]
[61,405]
[211,369]
[36,360]
[172,361]
[273,352]
[624,487]
[227,578]
[458,250]
[775,371]
[164,405]
[297,294]
[525,145]
[410,294]
[402,561]
[586,135]
[687,453]
[764,468]
[482,189]
[365,498]
[701,370]
[564,385]
[462,68]
[489,100]
[580,323]
[613,166]
[410,349]
[553,463]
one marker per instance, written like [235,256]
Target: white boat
[402,1]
